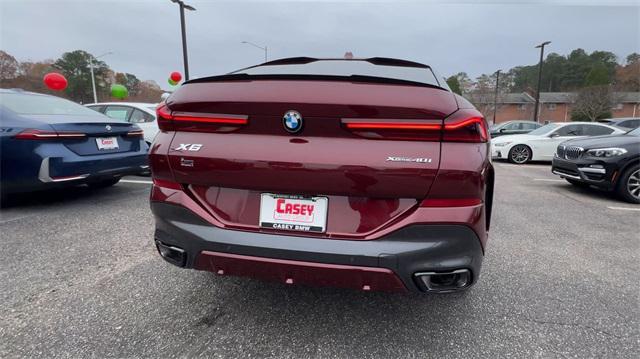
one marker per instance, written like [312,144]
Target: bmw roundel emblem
[107,127]
[292,121]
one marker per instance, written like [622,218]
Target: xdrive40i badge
[409,159]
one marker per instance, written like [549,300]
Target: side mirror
[553,135]
[502,130]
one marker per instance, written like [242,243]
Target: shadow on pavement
[308,313]
[52,196]
[593,192]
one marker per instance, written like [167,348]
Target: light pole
[258,46]
[184,35]
[495,98]
[93,77]
[535,110]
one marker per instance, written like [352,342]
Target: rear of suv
[366,173]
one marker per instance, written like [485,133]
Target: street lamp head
[182,4]
[254,45]
[543,44]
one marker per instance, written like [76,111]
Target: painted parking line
[624,208]
[135,181]
[548,180]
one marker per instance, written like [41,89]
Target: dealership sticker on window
[293,213]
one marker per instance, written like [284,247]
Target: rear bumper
[91,169]
[52,165]
[388,263]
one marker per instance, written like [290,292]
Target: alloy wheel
[633,184]
[520,154]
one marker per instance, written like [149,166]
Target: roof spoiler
[382,61]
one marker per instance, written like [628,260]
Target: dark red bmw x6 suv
[360,173]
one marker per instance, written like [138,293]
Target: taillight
[394,129]
[34,134]
[135,133]
[198,122]
[392,126]
[462,126]
[163,115]
[465,126]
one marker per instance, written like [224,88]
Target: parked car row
[541,143]
[524,127]
[584,153]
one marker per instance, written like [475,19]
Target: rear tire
[628,187]
[103,183]
[520,154]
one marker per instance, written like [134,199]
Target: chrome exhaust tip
[443,282]
[171,254]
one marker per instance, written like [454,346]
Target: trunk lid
[94,129]
[369,180]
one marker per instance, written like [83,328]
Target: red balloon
[176,76]
[55,81]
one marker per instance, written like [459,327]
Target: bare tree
[8,66]
[147,91]
[593,103]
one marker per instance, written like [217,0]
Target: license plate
[293,213]
[107,143]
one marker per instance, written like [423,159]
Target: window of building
[618,107]
[551,107]
[522,107]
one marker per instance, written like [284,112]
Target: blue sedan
[47,142]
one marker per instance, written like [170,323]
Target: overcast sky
[144,36]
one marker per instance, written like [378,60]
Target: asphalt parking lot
[80,277]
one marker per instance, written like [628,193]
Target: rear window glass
[630,123]
[530,126]
[27,104]
[347,68]
[635,132]
[544,129]
[120,113]
[593,130]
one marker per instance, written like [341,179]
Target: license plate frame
[107,143]
[275,214]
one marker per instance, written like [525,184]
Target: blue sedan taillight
[35,134]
